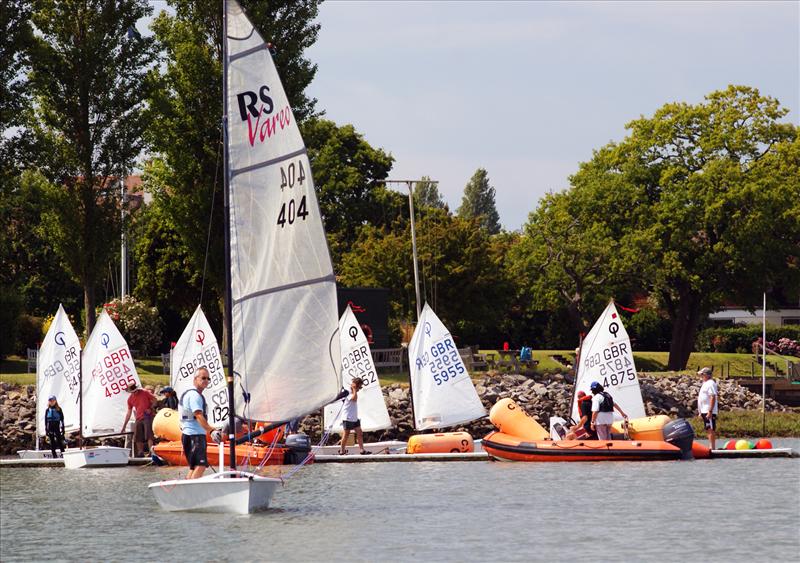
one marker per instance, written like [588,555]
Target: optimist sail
[606,357]
[442,390]
[197,347]
[107,371]
[285,320]
[357,362]
[58,372]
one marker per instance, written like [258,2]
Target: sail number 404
[291,175]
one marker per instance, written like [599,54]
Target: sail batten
[607,357]
[283,288]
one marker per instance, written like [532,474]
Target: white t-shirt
[708,389]
[350,409]
[602,417]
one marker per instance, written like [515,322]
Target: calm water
[721,510]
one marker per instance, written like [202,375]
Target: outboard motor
[680,433]
[298,447]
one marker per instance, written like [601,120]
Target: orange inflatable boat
[521,438]
[246,454]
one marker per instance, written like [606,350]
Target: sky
[527,90]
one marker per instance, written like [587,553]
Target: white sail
[58,372]
[107,370]
[285,319]
[442,390]
[357,362]
[197,347]
[606,357]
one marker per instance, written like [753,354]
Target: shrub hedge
[740,339]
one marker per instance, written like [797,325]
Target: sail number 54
[293,209]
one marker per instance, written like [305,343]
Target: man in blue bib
[194,424]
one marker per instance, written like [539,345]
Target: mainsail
[107,371]
[285,342]
[58,372]
[197,347]
[357,362]
[606,357]
[442,390]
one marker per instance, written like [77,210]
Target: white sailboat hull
[35,454]
[101,456]
[232,492]
[386,447]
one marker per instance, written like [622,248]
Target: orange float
[246,454]
[166,426]
[440,443]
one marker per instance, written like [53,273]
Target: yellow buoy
[166,425]
[443,442]
[645,428]
[512,420]
[742,445]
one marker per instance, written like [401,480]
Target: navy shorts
[194,448]
[709,421]
[351,425]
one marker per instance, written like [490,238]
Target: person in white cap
[708,405]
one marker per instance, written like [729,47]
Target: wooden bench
[33,355]
[498,359]
[472,359]
[388,358]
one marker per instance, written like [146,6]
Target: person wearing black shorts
[194,425]
[350,420]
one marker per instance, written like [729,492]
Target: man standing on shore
[142,404]
[708,405]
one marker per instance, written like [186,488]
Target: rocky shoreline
[540,396]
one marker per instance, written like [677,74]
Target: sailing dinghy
[442,391]
[357,362]
[106,371]
[58,372]
[280,301]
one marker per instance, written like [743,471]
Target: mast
[226,189]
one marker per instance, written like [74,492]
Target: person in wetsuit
[54,426]
[583,429]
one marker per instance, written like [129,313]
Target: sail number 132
[292,174]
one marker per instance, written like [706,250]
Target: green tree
[426,195]
[478,201]
[715,187]
[187,111]
[347,171]
[88,79]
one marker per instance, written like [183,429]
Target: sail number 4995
[290,211]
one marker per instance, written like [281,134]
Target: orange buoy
[699,451]
[440,443]
[763,444]
[512,420]
[730,445]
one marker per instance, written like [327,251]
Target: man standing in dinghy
[194,424]
[603,406]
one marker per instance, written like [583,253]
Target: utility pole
[410,184]
[123,259]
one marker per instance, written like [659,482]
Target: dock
[47,462]
[733,454]
[357,458]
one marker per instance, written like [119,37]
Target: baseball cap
[51,398]
[167,389]
[705,371]
[131,387]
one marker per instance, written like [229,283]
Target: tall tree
[187,111]
[427,195]
[715,185]
[88,78]
[478,201]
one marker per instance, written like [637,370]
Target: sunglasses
[205,379]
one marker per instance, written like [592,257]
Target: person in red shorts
[142,403]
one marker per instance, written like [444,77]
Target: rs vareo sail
[285,341]
[107,371]
[58,372]
[357,362]
[197,347]
[606,357]
[442,390]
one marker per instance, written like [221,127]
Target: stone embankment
[541,397]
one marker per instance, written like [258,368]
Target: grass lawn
[14,370]
[748,424]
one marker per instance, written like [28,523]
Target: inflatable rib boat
[520,438]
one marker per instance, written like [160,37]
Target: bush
[732,339]
[649,330]
[29,333]
[139,324]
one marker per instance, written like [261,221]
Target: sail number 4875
[291,175]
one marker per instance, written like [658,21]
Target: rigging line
[210,219]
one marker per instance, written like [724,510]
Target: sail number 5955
[290,211]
